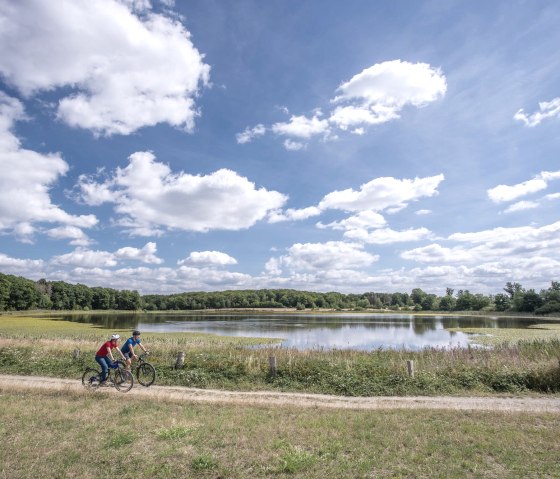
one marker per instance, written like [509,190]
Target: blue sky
[349,146]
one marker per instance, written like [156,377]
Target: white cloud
[350,116]
[146,254]
[435,253]
[291,145]
[86,258]
[250,133]
[382,193]
[76,235]
[423,212]
[388,235]
[503,193]
[363,220]
[374,96]
[393,85]
[26,179]
[301,127]
[31,268]
[326,257]
[208,258]
[293,214]
[100,49]
[522,206]
[504,246]
[547,109]
[150,198]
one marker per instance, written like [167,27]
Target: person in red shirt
[104,356]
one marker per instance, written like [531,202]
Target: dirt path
[512,404]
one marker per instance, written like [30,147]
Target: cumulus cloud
[250,133]
[506,193]
[293,214]
[150,198]
[98,50]
[499,245]
[330,256]
[291,145]
[207,258]
[301,127]
[503,193]
[26,179]
[547,109]
[375,95]
[76,235]
[388,235]
[31,268]
[522,206]
[86,258]
[382,193]
[385,88]
[146,254]
[363,220]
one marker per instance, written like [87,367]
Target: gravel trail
[549,404]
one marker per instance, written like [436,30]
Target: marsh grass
[75,435]
[33,346]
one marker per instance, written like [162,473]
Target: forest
[21,294]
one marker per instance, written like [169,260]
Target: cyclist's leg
[105,363]
[128,362]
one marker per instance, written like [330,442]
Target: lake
[360,331]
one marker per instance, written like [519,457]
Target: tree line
[19,294]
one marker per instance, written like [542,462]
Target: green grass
[33,346]
[497,336]
[89,435]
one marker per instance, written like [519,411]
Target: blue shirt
[129,343]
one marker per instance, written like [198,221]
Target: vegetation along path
[488,403]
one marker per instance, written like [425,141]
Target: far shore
[494,314]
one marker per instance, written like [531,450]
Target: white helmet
[115,336]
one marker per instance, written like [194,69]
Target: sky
[206,145]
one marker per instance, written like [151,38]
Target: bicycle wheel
[123,380]
[91,378]
[146,374]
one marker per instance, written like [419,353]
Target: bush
[551,307]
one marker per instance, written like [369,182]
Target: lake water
[314,331]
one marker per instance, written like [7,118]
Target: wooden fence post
[180,360]
[410,367]
[272,366]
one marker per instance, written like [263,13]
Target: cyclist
[104,356]
[128,348]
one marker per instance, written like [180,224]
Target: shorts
[128,355]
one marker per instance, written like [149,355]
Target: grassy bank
[99,436]
[44,347]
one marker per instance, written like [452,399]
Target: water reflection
[305,331]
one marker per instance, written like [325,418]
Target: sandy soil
[492,403]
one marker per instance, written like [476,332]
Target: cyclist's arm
[120,352]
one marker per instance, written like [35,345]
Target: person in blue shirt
[128,348]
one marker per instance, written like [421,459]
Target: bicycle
[118,377]
[145,372]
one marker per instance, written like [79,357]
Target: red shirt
[103,349]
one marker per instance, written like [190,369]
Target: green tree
[502,302]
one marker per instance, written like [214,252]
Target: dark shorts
[128,355]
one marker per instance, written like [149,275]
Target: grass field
[93,435]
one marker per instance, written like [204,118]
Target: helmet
[135,333]
[115,336]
